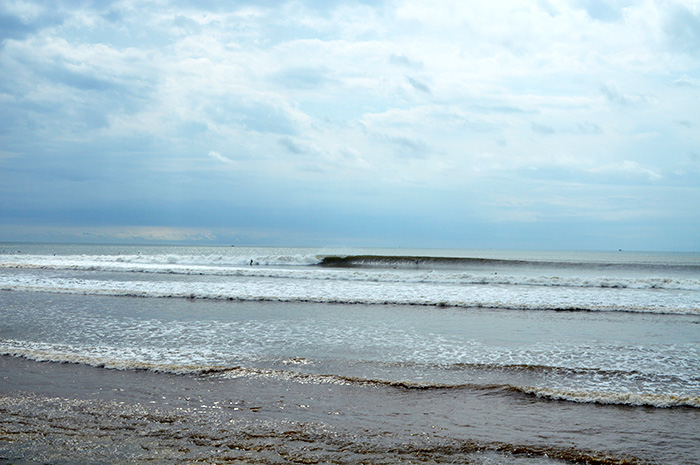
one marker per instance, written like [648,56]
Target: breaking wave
[379,269]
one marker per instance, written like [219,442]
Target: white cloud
[25,10]
[686,81]
[373,100]
[218,157]
[628,168]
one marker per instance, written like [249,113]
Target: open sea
[160,354]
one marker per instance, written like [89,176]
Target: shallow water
[339,387]
[181,417]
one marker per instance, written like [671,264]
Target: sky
[543,124]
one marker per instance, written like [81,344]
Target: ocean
[182,354]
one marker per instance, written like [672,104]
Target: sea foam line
[57,353]
[44,352]
[419,294]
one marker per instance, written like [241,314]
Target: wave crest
[379,269]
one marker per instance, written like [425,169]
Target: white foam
[664,400]
[138,262]
[103,357]
[367,292]
[118,359]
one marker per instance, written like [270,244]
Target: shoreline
[151,417]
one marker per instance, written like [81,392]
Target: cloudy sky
[504,124]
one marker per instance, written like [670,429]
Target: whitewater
[642,283]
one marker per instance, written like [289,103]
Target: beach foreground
[68,413]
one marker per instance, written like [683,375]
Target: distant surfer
[251,262]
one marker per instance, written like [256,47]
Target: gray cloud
[683,29]
[686,81]
[616,96]
[588,127]
[306,78]
[543,128]
[14,27]
[408,147]
[253,115]
[603,10]
[403,60]
[418,85]
[290,145]
[83,80]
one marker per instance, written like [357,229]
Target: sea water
[348,355]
